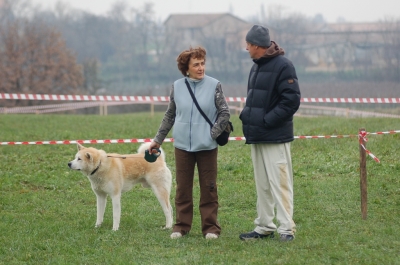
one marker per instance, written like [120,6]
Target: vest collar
[195,81]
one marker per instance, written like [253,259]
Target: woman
[194,141]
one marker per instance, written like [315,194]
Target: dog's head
[87,160]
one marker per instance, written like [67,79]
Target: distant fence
[103,102]
[51,108]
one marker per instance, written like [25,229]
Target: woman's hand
[153,146]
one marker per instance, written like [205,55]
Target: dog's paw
[115,228]
[97,225]
[166,227]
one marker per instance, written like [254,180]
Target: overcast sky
[350,10]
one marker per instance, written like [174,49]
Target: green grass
[48,212]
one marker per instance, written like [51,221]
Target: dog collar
[97,168]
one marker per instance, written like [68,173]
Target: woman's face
[197,68]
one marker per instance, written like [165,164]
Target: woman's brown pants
[207,169]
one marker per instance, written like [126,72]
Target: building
[222,34]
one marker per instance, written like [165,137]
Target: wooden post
[152,109]
[105,111]
[363,177]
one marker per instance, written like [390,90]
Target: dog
[113,174]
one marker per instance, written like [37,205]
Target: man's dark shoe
[254,235]
[286,238]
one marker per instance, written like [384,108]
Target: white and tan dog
[113,174]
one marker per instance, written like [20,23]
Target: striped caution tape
[362,137]
[120,141]
[11,96]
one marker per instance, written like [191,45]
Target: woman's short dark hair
[184,58]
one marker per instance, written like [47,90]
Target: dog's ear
[87,155]
[80,147]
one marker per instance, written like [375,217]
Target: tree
[34,59]
[92,83]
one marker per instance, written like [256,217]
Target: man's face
[197,68]
[252,49]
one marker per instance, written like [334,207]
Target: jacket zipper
[252,98]
[191,117]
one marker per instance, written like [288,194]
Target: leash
[123,157]
[147,156]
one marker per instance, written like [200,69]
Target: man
[273,97]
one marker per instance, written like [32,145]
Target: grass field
[48,212]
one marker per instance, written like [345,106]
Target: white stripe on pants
[273,176]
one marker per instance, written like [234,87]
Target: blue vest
[191,131]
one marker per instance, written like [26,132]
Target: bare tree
[34,59]
[11,9]
[92,83]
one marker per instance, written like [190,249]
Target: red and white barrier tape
[121,141]
[362,137]
[351,100]
[344,136]
[166,99]
[107,141]
[83,97]
[388,132]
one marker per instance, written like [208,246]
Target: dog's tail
[143,147]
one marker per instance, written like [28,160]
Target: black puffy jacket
[273,97]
